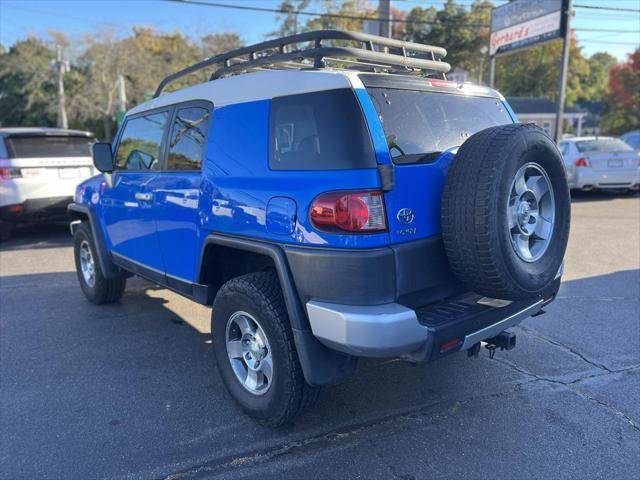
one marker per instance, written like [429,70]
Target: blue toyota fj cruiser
[332,196]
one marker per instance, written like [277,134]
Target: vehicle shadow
[136,380]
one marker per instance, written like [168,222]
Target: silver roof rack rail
[374,53]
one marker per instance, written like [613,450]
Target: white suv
[39,171]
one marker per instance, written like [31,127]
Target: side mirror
[103,157]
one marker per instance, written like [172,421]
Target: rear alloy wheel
[255,351]
[249,353]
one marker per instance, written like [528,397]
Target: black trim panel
[423,275]
[198,293]
[414,274]
[320,364]
[348,277]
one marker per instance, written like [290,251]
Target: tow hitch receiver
[504,341]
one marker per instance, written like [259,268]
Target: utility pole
[122,100]
[492,69]
[483,53]
[384,16]
[563,75]
[60,66]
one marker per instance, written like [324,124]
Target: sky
[21,18]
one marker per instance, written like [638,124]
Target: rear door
[127,208]
[423,130]
[176,192]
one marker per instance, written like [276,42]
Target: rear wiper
[429,157]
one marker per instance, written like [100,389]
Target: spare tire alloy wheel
[531,212]
[506,211]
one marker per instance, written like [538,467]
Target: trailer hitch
[503,341]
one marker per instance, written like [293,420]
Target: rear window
[420,125]
[603,145]
[319,131]
[49,146]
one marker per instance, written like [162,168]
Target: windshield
[421,125]
[49,146]
[603,145]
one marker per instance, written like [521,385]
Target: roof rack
[374,54]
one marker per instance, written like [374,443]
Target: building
[542,112]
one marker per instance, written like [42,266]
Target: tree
[27,90]
[217,43]
[623,100]
[105,57]
[349,8]
[460,31]
[289,21]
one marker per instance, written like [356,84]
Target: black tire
[288,395]
[103,290]
[475,231]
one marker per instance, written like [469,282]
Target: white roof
[267,84]
[255,86]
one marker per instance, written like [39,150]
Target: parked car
[632,139]
[39,171]
[605,163]
[328,214]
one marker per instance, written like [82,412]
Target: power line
[633,44]
[604,30]
[612,9]
[356,17]
[326,15]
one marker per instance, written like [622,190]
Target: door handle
[144,197]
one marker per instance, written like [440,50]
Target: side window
[139,147]
[186,147]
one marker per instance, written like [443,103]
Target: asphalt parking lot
[131,390]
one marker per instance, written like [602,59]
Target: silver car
[605,163]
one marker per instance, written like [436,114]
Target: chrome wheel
[249,353]
[530,212]
[87,264]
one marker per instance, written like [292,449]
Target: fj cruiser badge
[405,215]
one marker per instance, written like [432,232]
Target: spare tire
[505,212]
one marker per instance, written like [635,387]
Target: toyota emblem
[405,215]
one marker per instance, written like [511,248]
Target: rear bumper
[424,334]
[586,178]
[367,331]
[36,209]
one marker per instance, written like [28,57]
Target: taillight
[8,173]
[582,162]
[349,211]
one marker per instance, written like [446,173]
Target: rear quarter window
[319,131]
